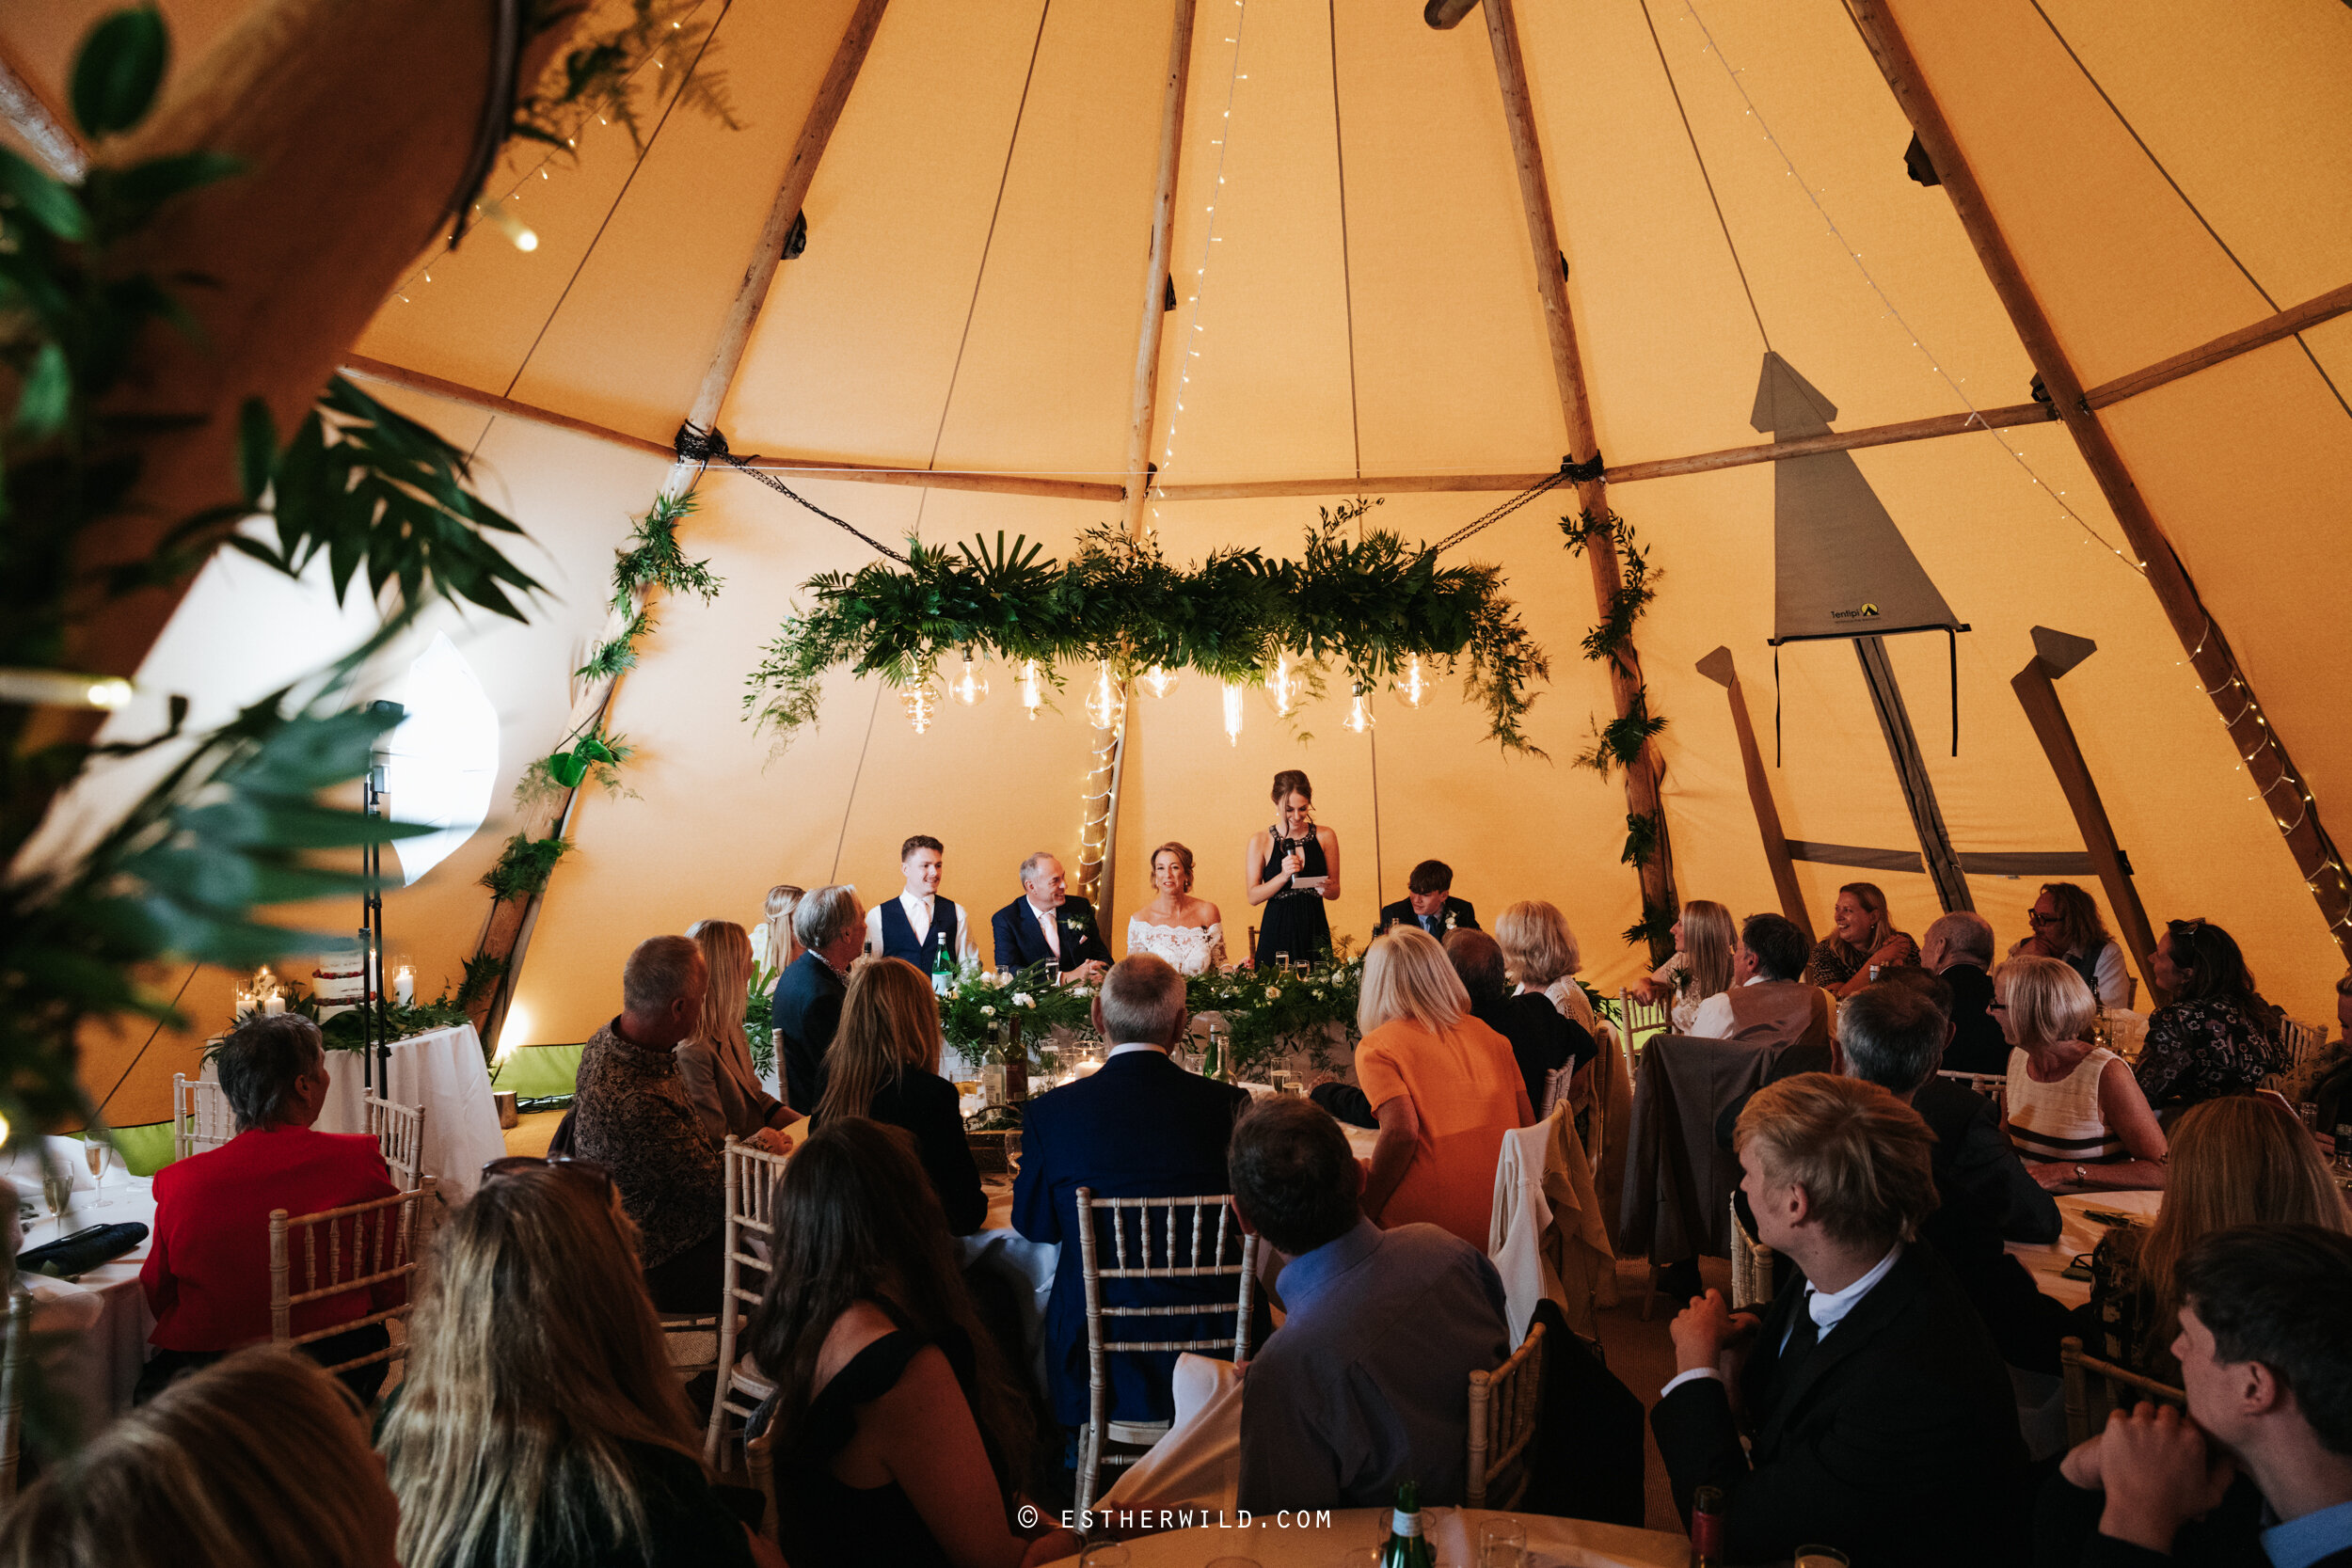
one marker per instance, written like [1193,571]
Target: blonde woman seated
[780,947]
[540,1425]
[2074,1111]
[1700,967]
[896,1426]
[1188,932]
[258,1461]
[2238,1161]
[714,1063]
[884,1065]
[1540,953]
[1443,1087]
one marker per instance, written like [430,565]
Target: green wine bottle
[1408,1548]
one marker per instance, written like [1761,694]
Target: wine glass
[1821,1557]
[1501,1543]
[97,1151]
[1106,1554]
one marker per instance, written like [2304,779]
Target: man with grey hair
[1049,922]
[831,930]
[1893,1034]
[632,1115]
[1959,948]
[1140,1127]
[207,1272]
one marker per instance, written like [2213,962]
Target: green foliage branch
[605,73]
[235,820]
[1366,606]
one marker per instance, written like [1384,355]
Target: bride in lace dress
[1185,930]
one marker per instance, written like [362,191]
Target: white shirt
[1122,1049]
[1049,921]
[1827,1312]
[918,914]
[1713,1021]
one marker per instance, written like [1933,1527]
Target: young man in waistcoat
[918,923]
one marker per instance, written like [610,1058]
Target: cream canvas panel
[2236,463]
[621,334]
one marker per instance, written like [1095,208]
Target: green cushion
[536,1071]
[146,1150]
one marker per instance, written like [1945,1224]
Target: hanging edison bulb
[1106,703]
[1414,685]
[1032,694]
[1282,685]
[1233,712]
[921,704]
[1158,680]
[970,686]
[1359,712]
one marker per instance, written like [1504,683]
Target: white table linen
[102,1317]
[440,1069]
[2048,1261]
[1198,1465]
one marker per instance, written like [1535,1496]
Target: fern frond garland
[1619,743]
[1363,604]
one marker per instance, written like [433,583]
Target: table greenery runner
[1366,606]
[1267,1016]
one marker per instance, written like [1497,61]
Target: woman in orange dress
[1443,1086]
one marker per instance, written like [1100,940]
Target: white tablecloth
[2047,1261]
[101,1318]
[1278,1542]
[442,1070]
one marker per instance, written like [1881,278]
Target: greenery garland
[1368,605]
[1619,742]
[601,74]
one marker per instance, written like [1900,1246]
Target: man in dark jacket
[1429,903]
[832,928]
[1958,948]
[1140,1127]
[2268,1371]
[1881,1419]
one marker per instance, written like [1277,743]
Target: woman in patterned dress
[2216,1035]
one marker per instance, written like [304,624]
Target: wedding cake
[341,981]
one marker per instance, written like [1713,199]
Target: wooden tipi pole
[1567,368]
[2282,788]
[507,926]
[1098,834]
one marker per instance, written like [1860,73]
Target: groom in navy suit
[1046,922]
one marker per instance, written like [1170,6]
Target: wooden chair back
[752,1176]
[365,1246]
[200,1115]
[2094,1388]
[1153,1248]
[1503,1407]
[12,1359]
[1640,1020]
[1993,1086]
[398,1132]
[1750,1266]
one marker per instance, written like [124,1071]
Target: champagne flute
[97,1151]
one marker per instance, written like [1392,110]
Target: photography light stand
[375,996]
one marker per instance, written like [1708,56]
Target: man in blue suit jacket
[1047,924]
[1140,1127]
[807,1009]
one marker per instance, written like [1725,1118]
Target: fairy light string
[2268,741]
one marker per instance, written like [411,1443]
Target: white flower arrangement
[1274,994]
[1020,999]
[988,1012]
